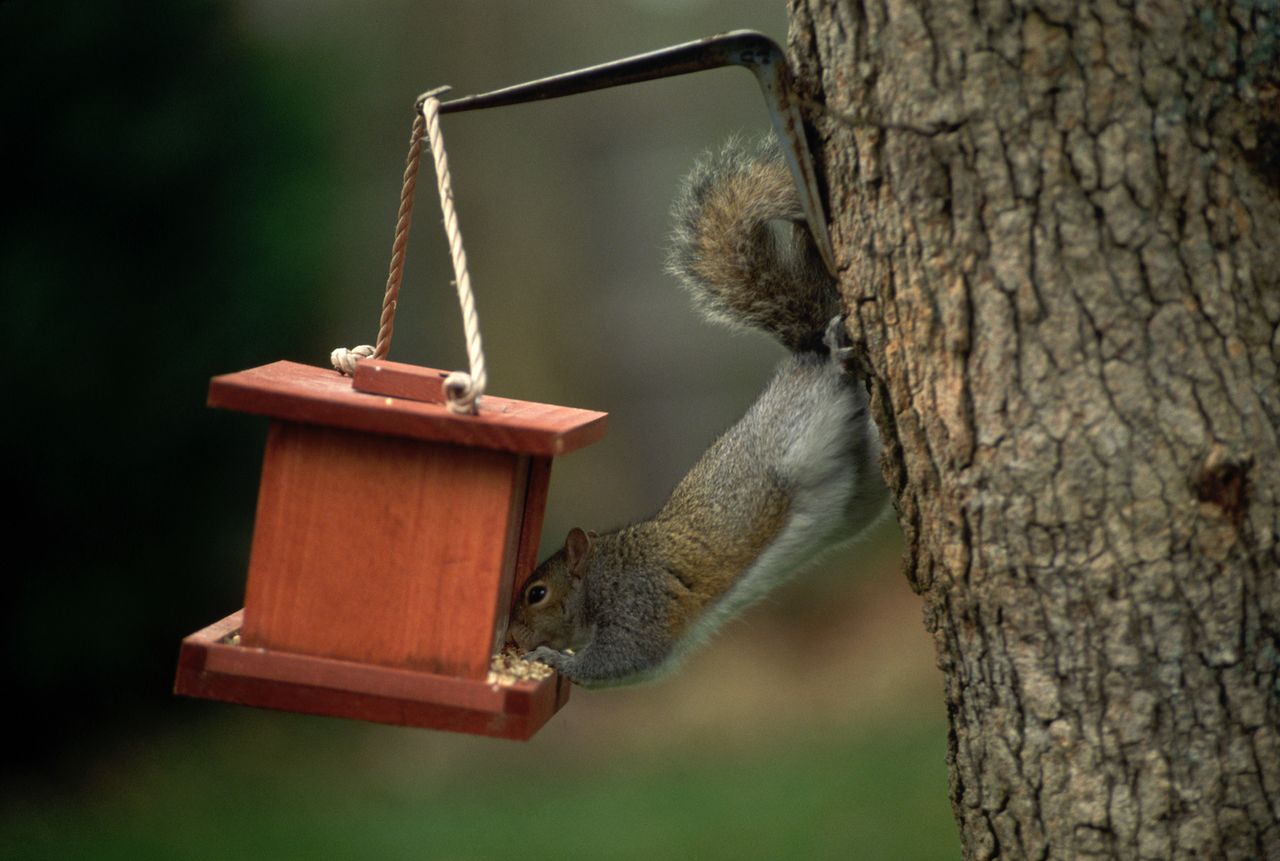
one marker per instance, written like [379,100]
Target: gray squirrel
[796,475]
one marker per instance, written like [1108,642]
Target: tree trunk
[1059,230]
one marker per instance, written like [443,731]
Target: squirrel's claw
[838,342]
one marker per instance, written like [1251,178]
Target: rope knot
[344,361]
[462,393]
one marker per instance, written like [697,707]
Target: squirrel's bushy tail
[741,247]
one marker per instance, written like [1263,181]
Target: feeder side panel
[500,610]
[535,506]
[382,550]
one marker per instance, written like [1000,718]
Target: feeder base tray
[214,666]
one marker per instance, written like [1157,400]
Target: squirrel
[796,475]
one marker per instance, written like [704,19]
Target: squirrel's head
[549,609]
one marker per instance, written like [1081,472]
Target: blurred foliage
[155,230]
[197,187]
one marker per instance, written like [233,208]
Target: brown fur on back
[740,246]
[718,521]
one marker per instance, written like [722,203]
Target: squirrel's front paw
[547,655]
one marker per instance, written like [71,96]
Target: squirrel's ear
[576,549]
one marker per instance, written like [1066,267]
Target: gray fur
[796,475]
[807,437]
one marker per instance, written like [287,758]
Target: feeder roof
[302,393]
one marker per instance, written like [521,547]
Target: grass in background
[276,786]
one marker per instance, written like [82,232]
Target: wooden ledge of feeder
[380,377]
[302,393]
[213,665]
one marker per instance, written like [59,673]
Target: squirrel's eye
[536,594]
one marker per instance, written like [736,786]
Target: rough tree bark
[1059,232]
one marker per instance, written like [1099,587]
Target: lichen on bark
[1058,227]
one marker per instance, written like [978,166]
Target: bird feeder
[390,537]
[397,514]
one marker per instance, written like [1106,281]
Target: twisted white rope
[462,390]
[345,360]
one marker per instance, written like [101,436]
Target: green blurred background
[193,188]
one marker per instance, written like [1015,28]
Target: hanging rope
[462,390]
[345,360]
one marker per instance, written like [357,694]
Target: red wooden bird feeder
[392,532]
[389,537]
